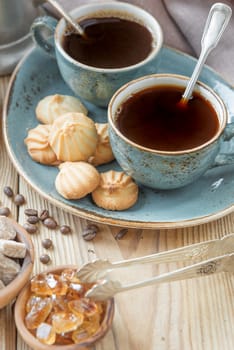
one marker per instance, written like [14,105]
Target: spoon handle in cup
[67,17]
[216,23]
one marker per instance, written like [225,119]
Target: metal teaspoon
[216,23]
[67,17]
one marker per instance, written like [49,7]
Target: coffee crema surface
[112,42]
[154,118]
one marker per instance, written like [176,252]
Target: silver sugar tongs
[218,255]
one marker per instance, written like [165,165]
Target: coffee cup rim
[121,6]
[199,85]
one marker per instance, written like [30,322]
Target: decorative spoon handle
[67,17]
[98,269]
[216,23]
[108,288]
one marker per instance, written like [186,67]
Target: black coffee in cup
[112,42]
[155,119]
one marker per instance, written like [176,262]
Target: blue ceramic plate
[209,198]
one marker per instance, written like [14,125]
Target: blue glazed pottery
[167,169]
[206,199]
[97,85]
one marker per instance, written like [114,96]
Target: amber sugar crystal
[46,333]
[57,311]
[39,312]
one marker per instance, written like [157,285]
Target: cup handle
[36,29]
[225,158]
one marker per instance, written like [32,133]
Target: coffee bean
[8,191]
[88,234]
[33,219]
[31,212]
[64,229]
[47,243]
[50,223]
[44,214]
[121,233]
[30,228]
[4,211]
[19,199]
[44,258]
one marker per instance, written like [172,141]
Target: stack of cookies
[66,137]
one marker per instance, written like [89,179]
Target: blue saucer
[209,198]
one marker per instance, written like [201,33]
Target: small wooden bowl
[9,293]
[34,343]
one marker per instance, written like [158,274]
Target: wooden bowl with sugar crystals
[52,312]
[16,259]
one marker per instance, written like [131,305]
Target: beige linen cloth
[182,22]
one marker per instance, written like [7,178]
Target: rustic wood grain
[196,314]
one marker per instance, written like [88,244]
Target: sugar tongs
[217,256]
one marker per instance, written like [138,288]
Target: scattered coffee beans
[50,223]
[33,219]
[47,243]
[44,214]
[31,212]
[30,228]
[19,199]
[64,229]
[90,232]
[8,191]
[5,211]
[44,258]
[121,233]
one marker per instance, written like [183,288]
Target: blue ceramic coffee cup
[168,169]
[97,85]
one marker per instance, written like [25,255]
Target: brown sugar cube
[9,268]
[7,231]
[12,249]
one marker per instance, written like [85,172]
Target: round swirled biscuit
[116,191]
[38,145]
[73,137]
[53,106]
[103,152]
[76,179]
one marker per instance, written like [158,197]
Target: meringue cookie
[116,191]
[103,153]
[76,179]
[53,106]
[73,137]
[38,145]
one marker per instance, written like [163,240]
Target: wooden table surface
[196,314]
